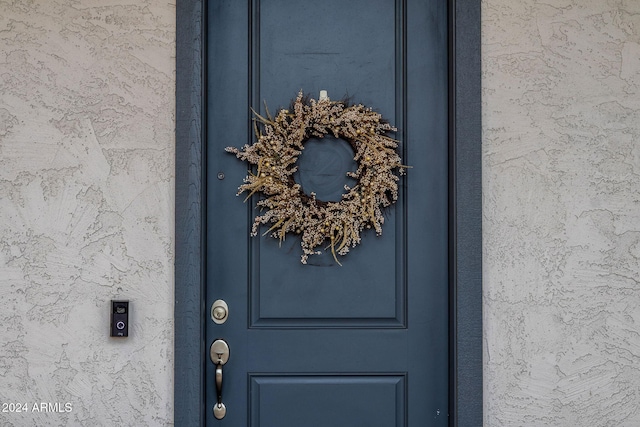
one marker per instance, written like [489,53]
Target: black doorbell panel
[119,318]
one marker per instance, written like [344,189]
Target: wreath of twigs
[335,225]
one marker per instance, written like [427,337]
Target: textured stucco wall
[86,209]
[561,191]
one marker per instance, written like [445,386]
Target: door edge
[465,207]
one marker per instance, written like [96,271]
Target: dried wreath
[287,208]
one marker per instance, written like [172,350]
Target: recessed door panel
[362,59]
[347,48]
[328,400]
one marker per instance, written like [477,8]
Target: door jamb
[465,207]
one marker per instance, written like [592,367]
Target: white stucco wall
[561,191]
[86,209]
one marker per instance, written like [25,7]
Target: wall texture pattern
[86,210]
[561,185]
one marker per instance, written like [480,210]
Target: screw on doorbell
[119,318]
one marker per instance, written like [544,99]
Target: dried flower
[286,208]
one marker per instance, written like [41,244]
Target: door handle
[219,353]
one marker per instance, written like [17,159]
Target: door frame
[465,214]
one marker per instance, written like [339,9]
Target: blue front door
[365,343]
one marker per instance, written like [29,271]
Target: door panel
[365,343]
[349,48]
[320,401]
[336,47]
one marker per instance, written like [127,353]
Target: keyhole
[219,313]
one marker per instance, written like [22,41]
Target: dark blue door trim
[465,212]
